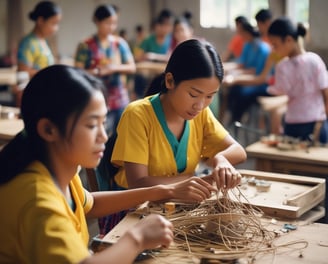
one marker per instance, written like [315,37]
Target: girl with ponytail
[303,77]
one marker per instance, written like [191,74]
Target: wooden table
[313,162]
[149,68]
[8,76]
[9,128]
[314,234]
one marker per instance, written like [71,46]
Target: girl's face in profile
[190,97]
[85,140]
[50,26]
[281,46]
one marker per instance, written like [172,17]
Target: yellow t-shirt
[37,224]
[142,140]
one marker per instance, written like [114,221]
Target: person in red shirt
[236,44]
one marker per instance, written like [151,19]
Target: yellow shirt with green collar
[37,224]
[142,140]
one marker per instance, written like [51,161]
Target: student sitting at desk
[251,61]
[42,200]
[162,138]
[236,44]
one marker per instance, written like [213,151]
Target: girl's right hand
[152,232]
[194,189]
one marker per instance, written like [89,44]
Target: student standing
[45,220]
[108,56]
[303,77]
[34,52]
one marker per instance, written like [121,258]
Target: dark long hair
[191,59]
[44,9]
[283,27]
[104,11]
[56,93]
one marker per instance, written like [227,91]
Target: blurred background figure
[303,77]
[251,61]
[34,52]
[156,46]
[138,38]
[108,56]
[236,44]
[182,29]
[263,19]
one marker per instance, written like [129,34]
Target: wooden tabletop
[314,155]
[149,67]
[311,246]
[9,128]
[8,76]
[312,238]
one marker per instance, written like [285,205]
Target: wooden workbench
[301,194]
[314,236]
[312,162]
[9,128]
[149,68]
[8,76]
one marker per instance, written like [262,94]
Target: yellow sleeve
[132,141]
[214,134]
[48,233]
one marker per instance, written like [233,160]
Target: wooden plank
[282,177]
[315,155]
[289,196]
[10,127]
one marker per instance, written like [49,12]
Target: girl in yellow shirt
[43,203]
[162,138]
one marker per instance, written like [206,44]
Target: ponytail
[283,27]
[15,156]
[157,85]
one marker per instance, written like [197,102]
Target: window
[222,13]
[298,10]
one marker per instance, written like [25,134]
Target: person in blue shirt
[251,61]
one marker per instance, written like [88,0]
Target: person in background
[34,52]
[263,19]
[236,44]
[46,222]
[139,36]
[156,46]
[303,77]
[182,29]
[123,34]
[109,57]
[251,61]
[174,130]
